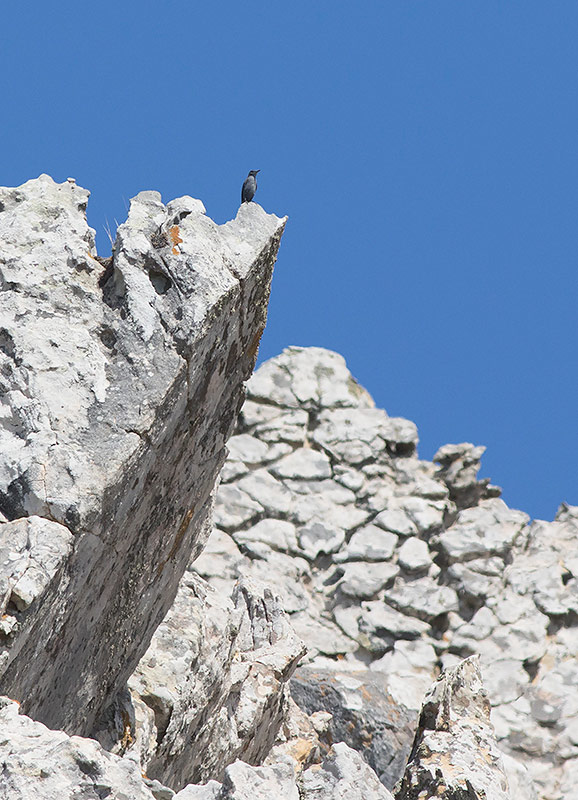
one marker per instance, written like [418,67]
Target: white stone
[243,782]
[354,435]
[276,533]
[329,489]
[305,464]
[41,764]
[377,619]
[485,530]
[369,544]
[455,750]
[289,427]
[366,580]
[42,547]
[424,599]
[350,478]
[344,775]
[121,383]
[235,508]
[311,377]
[266,490]
[409,668]
[205,791]
[322,634]
[414,555]
[319,508]
[318,537]
[397,521]
[247,448]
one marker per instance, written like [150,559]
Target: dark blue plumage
[250,186]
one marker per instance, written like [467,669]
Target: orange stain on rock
[175,239]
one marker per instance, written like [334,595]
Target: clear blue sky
[425,152]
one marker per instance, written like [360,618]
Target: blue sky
[425,152]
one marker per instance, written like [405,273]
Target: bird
[250,186]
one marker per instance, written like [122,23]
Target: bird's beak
[257,170]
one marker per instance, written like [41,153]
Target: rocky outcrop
[343,574]
[216,676]
[120,382]
[41,764]
[361,713]
[394,567]
[455,754]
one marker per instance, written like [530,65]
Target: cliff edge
[121,380]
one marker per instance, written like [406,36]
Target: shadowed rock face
[120,384]
[363,715]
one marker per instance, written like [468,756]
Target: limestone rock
[275,533]
[455,753]
[366,580]
[408,667]
[304,463]
[309,378]
[344,776]
[459,466]
[427,600]
[363,715]
[40,764]
[383,626]
[298,739]
[388,568]
[357,435]
[242,782]
[32,551]
[121,383]
[217,680]
[485,582]
[207,791]
[318,537]
[489,529]
[414,555]
[369,544]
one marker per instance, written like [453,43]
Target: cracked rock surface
[455,754]
[41,764]
[216,677]
[391,568]
[120,382]
[342,577]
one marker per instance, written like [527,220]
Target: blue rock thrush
[250,186]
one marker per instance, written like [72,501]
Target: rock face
[120,383]
[363,715]
[392,566]
[343,574]
[216,677]
[455,754]
[40,764]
